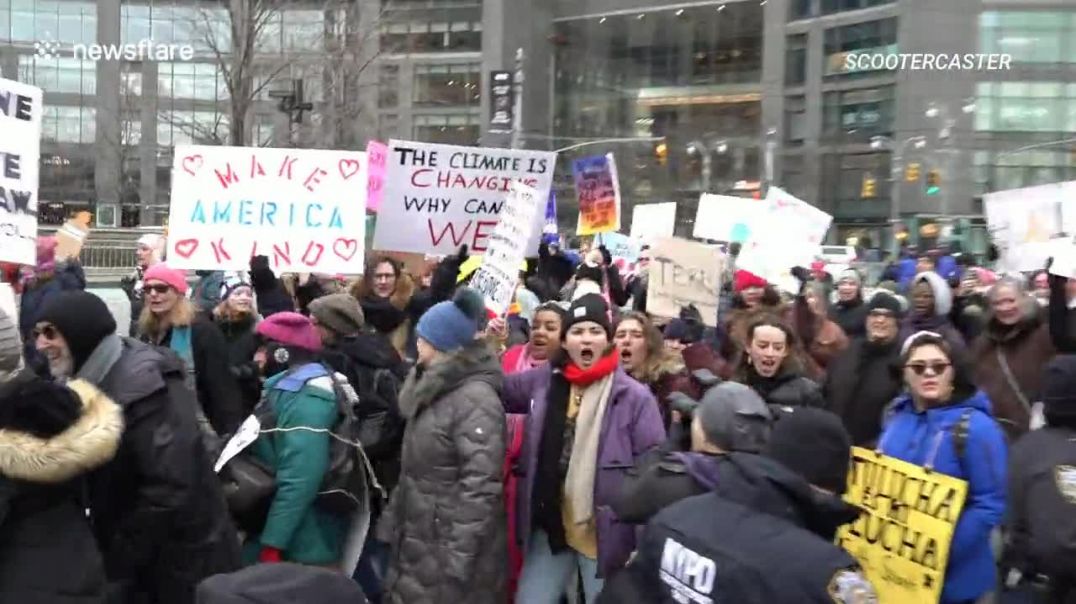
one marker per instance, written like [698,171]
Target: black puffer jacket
[238,332]
[786,389]
[446,522]
[851,317]
[49,437]
[860,384]
[158,510]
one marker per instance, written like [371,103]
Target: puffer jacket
[446,523]
[51,436]
[789,388]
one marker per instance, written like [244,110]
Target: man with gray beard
[157,509]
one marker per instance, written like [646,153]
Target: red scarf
[583,377]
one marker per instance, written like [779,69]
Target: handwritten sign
[377,156]
[496,278]
[20,146]
[438,197]
[621,246]
[72,236]
[549,229]
[903,537]
[684,272]
[652,220]
[305,209]
[728,218]
[1025,223]
[598,190]
[787,232]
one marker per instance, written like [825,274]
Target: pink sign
[377,154]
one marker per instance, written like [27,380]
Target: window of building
[191,127]
[858,114]
[131,130]
[420,37]
[795,60]
[799,9]
[842,175]
[67,22]
[795,119]
[264,129]
[185,80]
[58,74]
[135,22]
[65,124]
[1029,37]
[447,85]
[871,36]
[1025,107]
[459,129]
[388,84]
[304,30]
[837,6]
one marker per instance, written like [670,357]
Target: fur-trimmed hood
[88,443]
[475,362]
[666,363]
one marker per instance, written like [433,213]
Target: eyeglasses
[157,288]
[936,367]
[49,332]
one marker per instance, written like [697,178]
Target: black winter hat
[1059,391]
[814,444]
[589,307]
[280,584]
[82,318]
[589,272]
[884,301]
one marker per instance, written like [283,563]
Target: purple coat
[632,425]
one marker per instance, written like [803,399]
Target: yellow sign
[902,538]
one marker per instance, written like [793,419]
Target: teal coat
[301,398]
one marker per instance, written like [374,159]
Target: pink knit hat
[172,276]
[290,329]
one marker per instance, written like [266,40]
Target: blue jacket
[906,271]
[918,437]
[947,267]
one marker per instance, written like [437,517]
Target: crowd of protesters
[566,451]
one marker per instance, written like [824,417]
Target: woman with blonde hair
[170,320]
[643,356]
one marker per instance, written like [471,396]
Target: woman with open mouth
[589,421]
[771,366]
[644,356]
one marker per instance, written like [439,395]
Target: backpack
[346,487]
[380,427]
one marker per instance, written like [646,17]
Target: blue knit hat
[448,326]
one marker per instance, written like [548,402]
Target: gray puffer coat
[446,522]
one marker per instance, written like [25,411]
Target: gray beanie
[341,313]
[734,417]
[10,346]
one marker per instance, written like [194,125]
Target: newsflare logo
[143,50]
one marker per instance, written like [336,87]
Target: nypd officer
[763,535]
[731,417]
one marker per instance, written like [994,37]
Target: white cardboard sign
[439,197]
[305,209]
[1024,223]
[498,275]
[652,220]
[20,149]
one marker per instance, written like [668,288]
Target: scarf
[101,360]
[382,314]
[546,493]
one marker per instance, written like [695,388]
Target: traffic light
[911,173]
[869,187]
[933,182]
[661,153]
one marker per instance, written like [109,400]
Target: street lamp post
[947,133]
[897,176]
[720,146]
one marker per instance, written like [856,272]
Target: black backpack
[350,479]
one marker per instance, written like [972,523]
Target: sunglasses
[48,331]
[157,288]
[936,368]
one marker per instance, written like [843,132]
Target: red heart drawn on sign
[345,248]
[186,247]
[192,161]
[348,167]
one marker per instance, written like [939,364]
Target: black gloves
[607,258]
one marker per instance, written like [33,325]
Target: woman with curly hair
[643,356]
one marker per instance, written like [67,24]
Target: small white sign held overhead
[790,233]
[498,275]
[728,218]
[20,145]
[652,220]
[1025,223]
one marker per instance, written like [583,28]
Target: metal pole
[771,145]
[894,201]
[706,169]
[607,141]
[517,109]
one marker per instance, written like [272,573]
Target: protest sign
[7,301]
[1064,255]
[903,536]
[1025,222]
[496,278]
[788,233]
[305,209]
[438,197]
[727,218]
[377,155]
[72,236]
[550,228]
[598,190]
[621,246]
[684,272]
[653,220]
[20,146]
